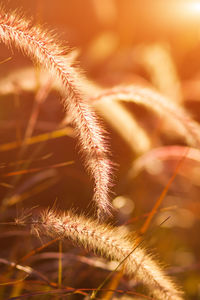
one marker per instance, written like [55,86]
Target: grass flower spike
[111,243]
[42,49]
[173,113]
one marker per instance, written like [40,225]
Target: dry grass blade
[37,139]
[35,190]
[113,284]
[28,171]
[14,282]
[162,196]
[28,270]
[5,60]
[39,99]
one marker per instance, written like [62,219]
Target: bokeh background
[153,43]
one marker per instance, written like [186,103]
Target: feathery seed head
[111,243]
[41,48]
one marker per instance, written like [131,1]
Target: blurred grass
[112,47]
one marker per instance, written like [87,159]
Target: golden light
[190,8]
[182,10]
[194,7]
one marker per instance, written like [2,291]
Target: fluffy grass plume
[42,48]
[173,113]
[110,242]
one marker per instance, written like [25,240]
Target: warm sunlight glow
[183,10]
[194,7]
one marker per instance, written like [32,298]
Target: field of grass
[99,149]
